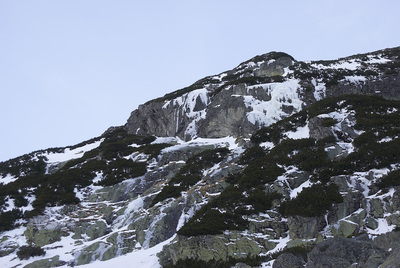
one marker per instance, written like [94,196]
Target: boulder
[317,131]
[288,260]
[393,261]
[305,227]
[41,237]
[343,252]
[7,246]
[96,230]
[91,253]
[46,263]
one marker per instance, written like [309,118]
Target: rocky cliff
[276,163]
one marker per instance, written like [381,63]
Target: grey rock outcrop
[305,227]
[387,87]
[207,248]
[344,252]
[274,67]
[46,263]
[317,131]
[288,260]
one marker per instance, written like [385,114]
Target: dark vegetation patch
[390,180]
[26,164]
[25,252]
[312,201]
[236,79]
[328,122]
[121,169]
[378,119]
[8,219]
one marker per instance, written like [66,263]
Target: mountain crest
[261,91]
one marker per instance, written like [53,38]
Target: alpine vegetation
[275,163]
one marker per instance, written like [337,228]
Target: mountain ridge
[223,172]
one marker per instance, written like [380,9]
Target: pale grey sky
[69,69]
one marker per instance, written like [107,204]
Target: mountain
[275,163]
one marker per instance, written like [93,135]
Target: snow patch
[356,79]
[386,139]
[344,64]
[265,113]
[229,142]
[145,258]
[300,133]
[319,90]
[69,154]
[383,227]
[297,190]
[7,179]
[267,145]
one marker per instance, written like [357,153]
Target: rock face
[305,227]
[252,166]
[288,260]
[215,106]
[342,252]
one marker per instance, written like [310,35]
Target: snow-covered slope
[274,163]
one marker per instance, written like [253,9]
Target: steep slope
[274,163]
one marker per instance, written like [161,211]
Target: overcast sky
[69,69]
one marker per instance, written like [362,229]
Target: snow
[281,244]
[267,145]
[377,60]
[166,140]
[265,113]
[134,205]
[10,204]
[386,139]
[349,65]
[383,227]
[300,133]
[297,190]
[187,103]
[360,182]
[347,146]
[69,154]
[144,258]
[320,90]
[338,115]
[8,179]
[355,79]
[228,141]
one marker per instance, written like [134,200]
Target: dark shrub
[8,218]
[25,252]
[390,180]
[313,201]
